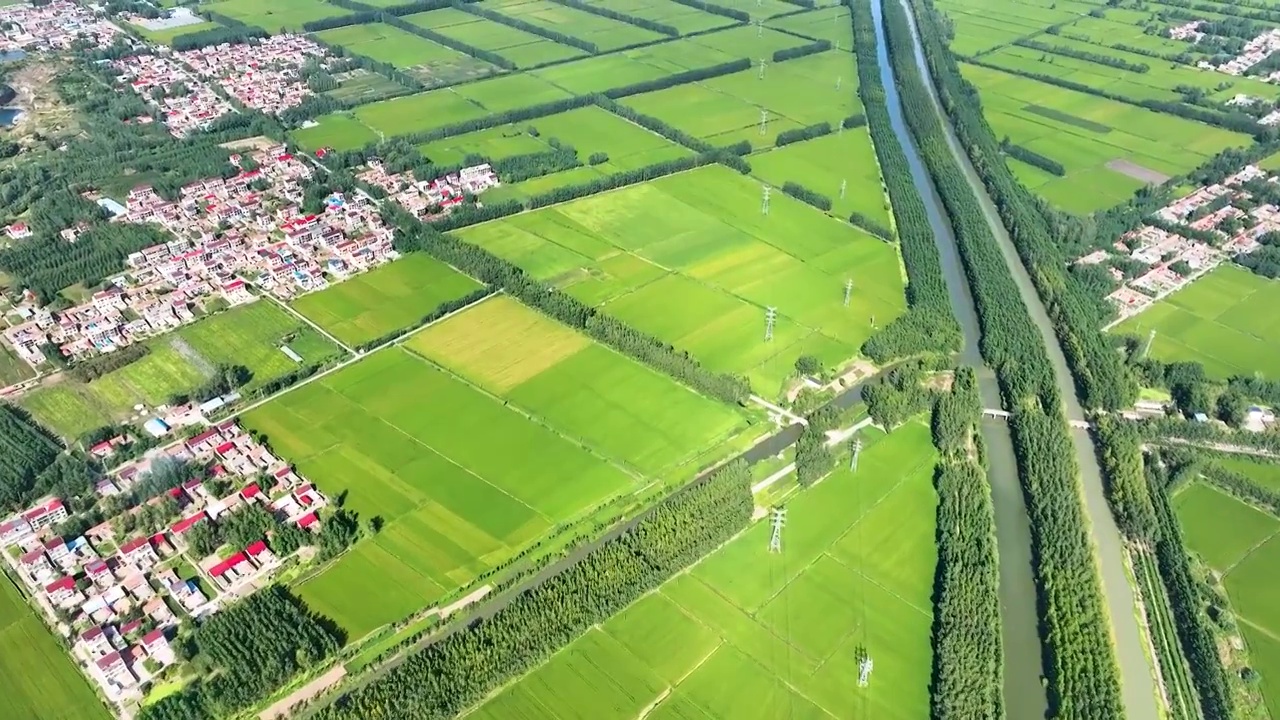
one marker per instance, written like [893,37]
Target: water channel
[1024,695]
[1139,690]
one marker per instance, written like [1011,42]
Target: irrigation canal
[1023,693]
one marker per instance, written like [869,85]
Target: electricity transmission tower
[848,291]
[762,64]
[857,450]
[764,201]
[777,521]
[770,317]
[764,122]
[1151,338]
[839,79]
[759,28]
[844,185]
[865,665]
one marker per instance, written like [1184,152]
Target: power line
[770,317]
[777,521]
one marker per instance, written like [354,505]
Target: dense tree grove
[498,273]
[1092,57]
[1195,634]
[805,195]
[216,36]
[363,17]
[25,452]
[95,367]
[245,652]
[517,23]
[809,132]
[1031,157]
[1082,679]
[853,121]
[1121,458]
[968,660]
[928,325]
[798,51]
[449,675]
[898,395]
[594,9]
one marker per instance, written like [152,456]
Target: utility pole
[777,521]
[848,291]
[764,201]
[770,317]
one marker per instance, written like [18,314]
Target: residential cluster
[228,233]
[1160,250]
[264,75]
[1187,31]
[55,26]
[430,199]
[119,599]
[186,104]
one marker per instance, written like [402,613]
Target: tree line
[799,51]
[968,658]
[809,132]
[1031,157]
[807,196]
[1080,668]
[928,325]
[731,13]
[1099,58]
[594,9]
[244,652]
[458,670]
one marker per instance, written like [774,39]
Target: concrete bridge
[999,414]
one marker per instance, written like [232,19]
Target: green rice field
[589,130]
[337,131]
[166,36]
[361,86]
[748,634]
[38,679]
[1264,474]
[1239,542]
[682,17]
[824,164]
[620,409]
[831,24]
[1224,320]
[690,259]
[386,299]
[792,94]
[180,361]
[605,33]
[388,44]
[1085,133]
[279,15]
[446,106]
[981,26]
[520,47]
[446,461]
